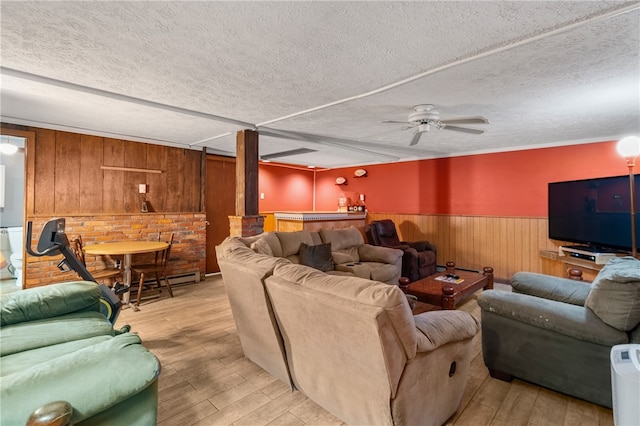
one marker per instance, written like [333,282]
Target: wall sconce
[629,148]
[341,180]
[360,173]
[142,189]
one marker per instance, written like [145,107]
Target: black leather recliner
[419,258]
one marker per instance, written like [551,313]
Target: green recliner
[55,345]
[558,333]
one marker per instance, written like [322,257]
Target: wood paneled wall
[508,244]
[65,178]
[65,175]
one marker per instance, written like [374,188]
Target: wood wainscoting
[508,244]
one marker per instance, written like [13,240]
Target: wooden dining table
[126,249]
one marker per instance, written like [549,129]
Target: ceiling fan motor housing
[424,117]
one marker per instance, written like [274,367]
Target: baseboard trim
[190,277]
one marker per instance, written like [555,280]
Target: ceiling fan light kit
[425,117]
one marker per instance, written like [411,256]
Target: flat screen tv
[594,212]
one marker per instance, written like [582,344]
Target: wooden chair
[108,274]
[158,268]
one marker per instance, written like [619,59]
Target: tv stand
[553,263]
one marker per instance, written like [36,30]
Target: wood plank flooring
[206,380]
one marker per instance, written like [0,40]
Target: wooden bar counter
[313,221]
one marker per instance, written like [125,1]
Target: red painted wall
[500,184]
[285,189]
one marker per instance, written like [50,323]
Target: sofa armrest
[421,245]
[563,318]
[91,379]
[49,301]
[550,287]
[369,253]
[434,329]
[399,246]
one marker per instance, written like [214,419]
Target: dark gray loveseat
[558,333]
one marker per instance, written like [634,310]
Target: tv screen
[594,212]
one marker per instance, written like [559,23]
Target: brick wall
[246,226]
[188,253]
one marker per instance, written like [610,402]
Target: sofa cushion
[342,238]
[290,241]
[369,253]
[261,246]
[269,237]
[317,256]
[615,293]
[375,271]
[347,255]
[272,239]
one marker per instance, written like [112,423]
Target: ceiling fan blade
[394,121]
[415,138]
[466,120]
[463,129]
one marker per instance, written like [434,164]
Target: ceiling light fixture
[8,148]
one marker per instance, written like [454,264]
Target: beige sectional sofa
[349,344]
[349,253]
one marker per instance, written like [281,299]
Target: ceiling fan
[424,118]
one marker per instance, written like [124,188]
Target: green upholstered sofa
[56,345]
[349,344]
[558,333]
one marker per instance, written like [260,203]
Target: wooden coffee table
[448,295]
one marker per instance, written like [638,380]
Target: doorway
[220,204]
[12,210]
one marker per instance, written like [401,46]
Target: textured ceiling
[327,73]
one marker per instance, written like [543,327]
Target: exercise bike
[52,242]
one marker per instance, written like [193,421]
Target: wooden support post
[247,221]
[247,173]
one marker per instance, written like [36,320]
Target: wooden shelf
[554,264]
[553,255]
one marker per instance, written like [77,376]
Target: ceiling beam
[22,75]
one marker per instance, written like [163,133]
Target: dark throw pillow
[318,256]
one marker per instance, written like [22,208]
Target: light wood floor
[206,380]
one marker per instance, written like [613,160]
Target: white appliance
[597,257]
[625,384]
[16,242]
[5,248]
